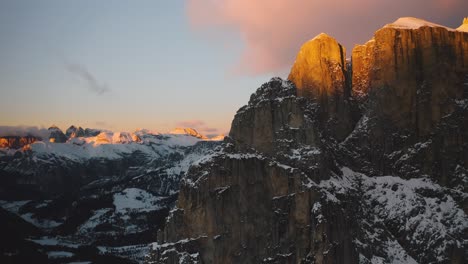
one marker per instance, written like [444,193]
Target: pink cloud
[273,30]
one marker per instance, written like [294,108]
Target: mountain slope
[292,184]
[97,196]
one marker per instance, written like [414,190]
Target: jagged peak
[54,127]
[274,89]
[413,23]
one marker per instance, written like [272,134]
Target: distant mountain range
[13,138]
[88,193]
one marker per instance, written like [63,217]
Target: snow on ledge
[414,23]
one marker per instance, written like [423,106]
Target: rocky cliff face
[407,79]
[414,70]
[321,73]
[292,184]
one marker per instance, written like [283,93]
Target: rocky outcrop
[251,202]
[320,73]
[56,135]
[300,181]
[73,132]
[91,132]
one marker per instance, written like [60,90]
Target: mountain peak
[187,131]
[74,131]
[54,127]
[319,67]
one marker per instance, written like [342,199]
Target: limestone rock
[320,69]
[300,177]
[414,69]
[320,73]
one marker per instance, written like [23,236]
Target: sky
[123,65]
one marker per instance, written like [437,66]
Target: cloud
[23,131]
[273,30]
[82,72]
[198,125]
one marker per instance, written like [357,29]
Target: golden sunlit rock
[320,73]
[187,131]
[16,142]
[4,143]
[319,69]
[464,25]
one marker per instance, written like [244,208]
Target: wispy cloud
[274,30]
[84,74]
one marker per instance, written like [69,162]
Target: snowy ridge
[105,146]
[423,210]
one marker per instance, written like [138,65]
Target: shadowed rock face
[56,135]
[300,178]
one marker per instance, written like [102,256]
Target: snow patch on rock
[134,199]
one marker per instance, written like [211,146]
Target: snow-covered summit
[187,131]
[413,23]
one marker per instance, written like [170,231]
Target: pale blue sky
[158,70]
